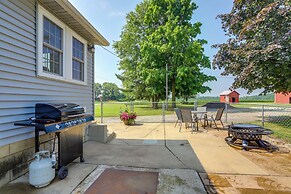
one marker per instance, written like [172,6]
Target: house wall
[282,98]
[20,87]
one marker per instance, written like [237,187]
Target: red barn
[229,96]
[281,98]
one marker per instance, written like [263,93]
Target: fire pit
[248,136]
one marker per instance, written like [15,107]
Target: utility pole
[166,86]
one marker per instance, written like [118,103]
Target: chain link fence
[156,112]
[147,112]
[278,115]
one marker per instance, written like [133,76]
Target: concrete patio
[202,159]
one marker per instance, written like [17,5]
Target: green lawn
[143,108]
[258,104]
[113,109]
[280,132]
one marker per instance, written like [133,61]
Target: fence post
[263,116]
[101,111]
[163,113]
[167,87]
[131,106]
[195,104]
[226,110]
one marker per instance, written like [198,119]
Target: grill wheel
[63,172]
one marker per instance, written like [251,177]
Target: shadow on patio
[160,146]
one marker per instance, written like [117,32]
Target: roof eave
[67,9]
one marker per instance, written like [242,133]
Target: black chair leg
[176,123]
[215,125]
[222,124]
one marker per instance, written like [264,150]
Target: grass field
[280,132]
[257,104]
[113,108]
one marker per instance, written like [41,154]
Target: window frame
[55,49]
[67,48]
[77,59]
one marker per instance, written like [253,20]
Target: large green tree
[159,33]
[258,51]
[98,90]
[109,91]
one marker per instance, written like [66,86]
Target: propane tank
[41,170]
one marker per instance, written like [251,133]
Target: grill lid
[59,111]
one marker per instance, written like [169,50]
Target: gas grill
[58,112]
[60,119]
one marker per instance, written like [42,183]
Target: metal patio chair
[217,117]
[189,120]
[179,117]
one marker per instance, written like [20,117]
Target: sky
[108,17]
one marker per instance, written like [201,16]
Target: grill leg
[59,150]
[82,159]
[36,132]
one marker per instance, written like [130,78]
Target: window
[52,48]
[61,52]
[78,60]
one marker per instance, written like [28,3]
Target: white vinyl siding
[20,87]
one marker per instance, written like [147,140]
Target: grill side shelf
[49,128]
[27,123]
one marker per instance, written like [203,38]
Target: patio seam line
[84,177]
[125,142]
[85,163]
[240,174]
[165,140]
[202,181]
[151,131]
[137,145]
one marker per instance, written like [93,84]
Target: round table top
[245,126]
[197,111]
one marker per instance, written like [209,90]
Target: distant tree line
[258,98]
[109,91]
[255,98]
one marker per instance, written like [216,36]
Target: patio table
[204,113]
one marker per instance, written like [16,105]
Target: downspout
[93,77]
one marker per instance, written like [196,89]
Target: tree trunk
[154,102]
[173,92]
